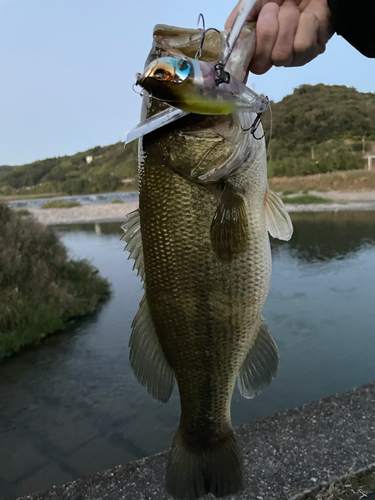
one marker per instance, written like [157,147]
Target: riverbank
[287,456]
[107,212]
[116,212]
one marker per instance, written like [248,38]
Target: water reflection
[329,235]
[71,406]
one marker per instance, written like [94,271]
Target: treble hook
[199,51]
[254,127]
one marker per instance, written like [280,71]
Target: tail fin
[194,472]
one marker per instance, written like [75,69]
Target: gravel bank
[109,212]
[331,207]
[116,212]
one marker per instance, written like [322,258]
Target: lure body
[191,85]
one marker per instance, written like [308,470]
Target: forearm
[354,20]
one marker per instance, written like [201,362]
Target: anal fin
[230,225]
[260,365]
[147,358]
[278,221]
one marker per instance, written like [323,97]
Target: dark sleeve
[354,20]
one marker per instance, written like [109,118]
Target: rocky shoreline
[107,212]
[110,212]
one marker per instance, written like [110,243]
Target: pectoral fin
[260,364]
[278,220]
[147,358]
[230,225]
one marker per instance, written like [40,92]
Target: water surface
[71,406]
[83,199]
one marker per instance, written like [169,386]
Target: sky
[67,68]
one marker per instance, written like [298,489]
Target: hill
[97,170]
[316,129]
[4,169]
[320,129]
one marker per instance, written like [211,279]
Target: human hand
[289,32]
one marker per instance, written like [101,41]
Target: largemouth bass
[200,243]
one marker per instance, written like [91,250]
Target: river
[82,199]
[71,406]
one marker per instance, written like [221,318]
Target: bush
[61,204]
[306,199]
[74,186]
[40,289]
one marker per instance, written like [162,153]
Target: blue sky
[67,69]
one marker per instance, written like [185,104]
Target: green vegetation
[305,199]
[319,129]
[40,289]
[97,170]
[61,204]
[22,213]
[117,201]
[4,169]
[316,130]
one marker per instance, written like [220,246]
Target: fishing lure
[194,86]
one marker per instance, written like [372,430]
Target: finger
[267,31]
[251,17]
[283,50]
[306,46]
[324,15]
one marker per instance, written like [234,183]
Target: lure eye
[160,74]
[182,64]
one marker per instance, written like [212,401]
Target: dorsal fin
[133,237]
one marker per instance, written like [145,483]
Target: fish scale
[208,300]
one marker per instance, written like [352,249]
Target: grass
[287,192]
[22,213]
[61,204]
[40,288]
[353,487]
[306,199]
[117,201]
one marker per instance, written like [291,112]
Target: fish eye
[160,74]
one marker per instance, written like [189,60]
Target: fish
[200,242]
